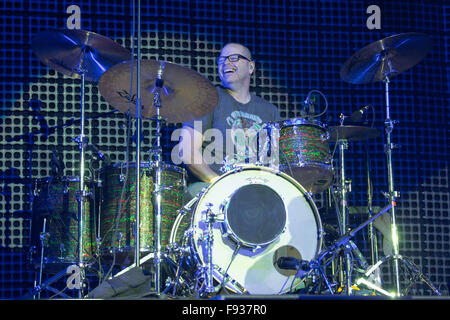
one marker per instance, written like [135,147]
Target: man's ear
[252,67]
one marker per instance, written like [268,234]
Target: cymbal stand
[372,235]
[391,195]
[343,189]
[138,115]
[81,196]
[42,237]
[209,237]
[157,152]
[409,264]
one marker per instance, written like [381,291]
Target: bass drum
[261,215]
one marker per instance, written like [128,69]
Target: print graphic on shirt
[244,131]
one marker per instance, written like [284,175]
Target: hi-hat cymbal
[352,133]
[186,95]
[72,51]
[387,57]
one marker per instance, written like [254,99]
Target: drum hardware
[39,286]
[344,188]
[157,192]
[43,237]
[372,235]
[344,243]
[85,55]
[310,114]
[36,291]
[341,135]
[380,61]
[210,218]
[415,271]
[181,253]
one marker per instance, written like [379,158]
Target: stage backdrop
[298,46]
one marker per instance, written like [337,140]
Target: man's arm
[191,154]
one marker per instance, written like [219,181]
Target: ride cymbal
[185,95]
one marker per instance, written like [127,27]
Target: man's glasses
[232,58]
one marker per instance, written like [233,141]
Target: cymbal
[389,56]
[69,51]
[352,133]
[186,95]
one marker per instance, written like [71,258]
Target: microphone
[357,115]
[101,155]
[291,263]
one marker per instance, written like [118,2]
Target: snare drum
[304,153]
[56,199]
[261,215]
[118,208]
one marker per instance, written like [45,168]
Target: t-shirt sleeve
[206,122]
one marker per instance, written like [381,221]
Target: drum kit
[255,230]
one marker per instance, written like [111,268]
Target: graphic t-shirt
[231,131]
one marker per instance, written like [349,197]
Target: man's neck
[241,95]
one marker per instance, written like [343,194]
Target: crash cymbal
[186,95]
[352,133]
[389,56]
[70,51]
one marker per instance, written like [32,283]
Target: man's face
[235,72]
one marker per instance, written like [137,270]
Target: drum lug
[325,136]
[99,183]
[308,195]
[256,248]
[225,232]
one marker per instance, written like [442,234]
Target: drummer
[237,118]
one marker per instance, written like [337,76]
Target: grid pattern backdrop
[298,46]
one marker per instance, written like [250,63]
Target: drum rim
[302,121]
[144,164]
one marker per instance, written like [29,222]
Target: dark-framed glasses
[232,58]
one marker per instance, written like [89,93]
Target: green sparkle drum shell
[118,208]
[304,153]
[56,200]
